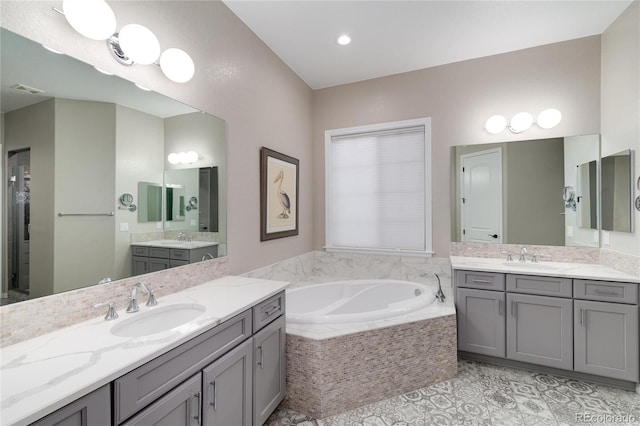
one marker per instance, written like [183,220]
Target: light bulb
[192,157]
[93,19]
[496,124]
[177,65]
[183,158]
[520,122]
[549,118]
[139,44]
[173,158]
[344,39]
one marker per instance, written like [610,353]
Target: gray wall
[459,98]
[621,106]
[38,134]
[535,178]
[237,78]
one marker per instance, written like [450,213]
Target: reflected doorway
[18,222]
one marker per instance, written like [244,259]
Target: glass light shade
[344,39]
[139,44]
[549,118]
[496,124]
[192,157]
[173,158]
[520,122]
[177,65]
[183,158]
[93,19]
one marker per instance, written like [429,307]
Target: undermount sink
[529,265]
[157,320]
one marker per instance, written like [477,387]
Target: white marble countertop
[176,244]
[45,373]
[543,268]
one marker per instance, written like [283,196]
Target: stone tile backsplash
[35,317]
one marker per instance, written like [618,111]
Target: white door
[481,192]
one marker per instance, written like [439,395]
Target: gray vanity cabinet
[540,330]
[268,369]
[481,325]
[606,329]
[91,409]
[227,389]
[180,407]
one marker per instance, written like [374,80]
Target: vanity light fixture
[183,157]
[344,39]
[547,119]
[133,44]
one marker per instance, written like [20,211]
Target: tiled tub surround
[338,367]
[40,375]
[328,376]
[35,317]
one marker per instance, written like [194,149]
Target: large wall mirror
[527,192]
[85,172]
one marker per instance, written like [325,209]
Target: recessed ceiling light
[105,72]
[344,39]
[50,49]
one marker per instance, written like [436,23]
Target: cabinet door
[158,264]
[92,409]
[481,326]
[140,265]
[227,388]
[180,407]
[268,370]
[606,339]
[540,330]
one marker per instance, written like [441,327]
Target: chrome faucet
[207,256]
[111,312]
[523,253]
[439,294]
[133,298]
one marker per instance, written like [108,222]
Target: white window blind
[378,189]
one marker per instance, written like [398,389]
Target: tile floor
[484,394]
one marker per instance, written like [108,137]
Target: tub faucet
[439,294]
[133,298]
[523,253]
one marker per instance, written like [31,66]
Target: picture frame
[279,191]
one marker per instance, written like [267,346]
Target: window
[378,188]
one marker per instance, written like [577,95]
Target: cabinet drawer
[482,280]
[140,387]
[180,254]
[546,286]
[159,252]
[140,251]
[608,291]
[267,311]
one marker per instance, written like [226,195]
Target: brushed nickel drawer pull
[213,391]
[481,281]
[582,317]
[499,308]
[272,310]
[606,293]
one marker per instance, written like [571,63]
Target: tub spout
[439,294]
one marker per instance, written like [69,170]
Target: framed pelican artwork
[278,195]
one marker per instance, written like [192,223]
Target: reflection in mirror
[200,187]
[89,138]
[617,192]
[587,195]
[149,202]
[175,202]
[512,192]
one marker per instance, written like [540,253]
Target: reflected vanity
[77,147]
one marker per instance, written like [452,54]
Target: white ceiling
[391,37]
